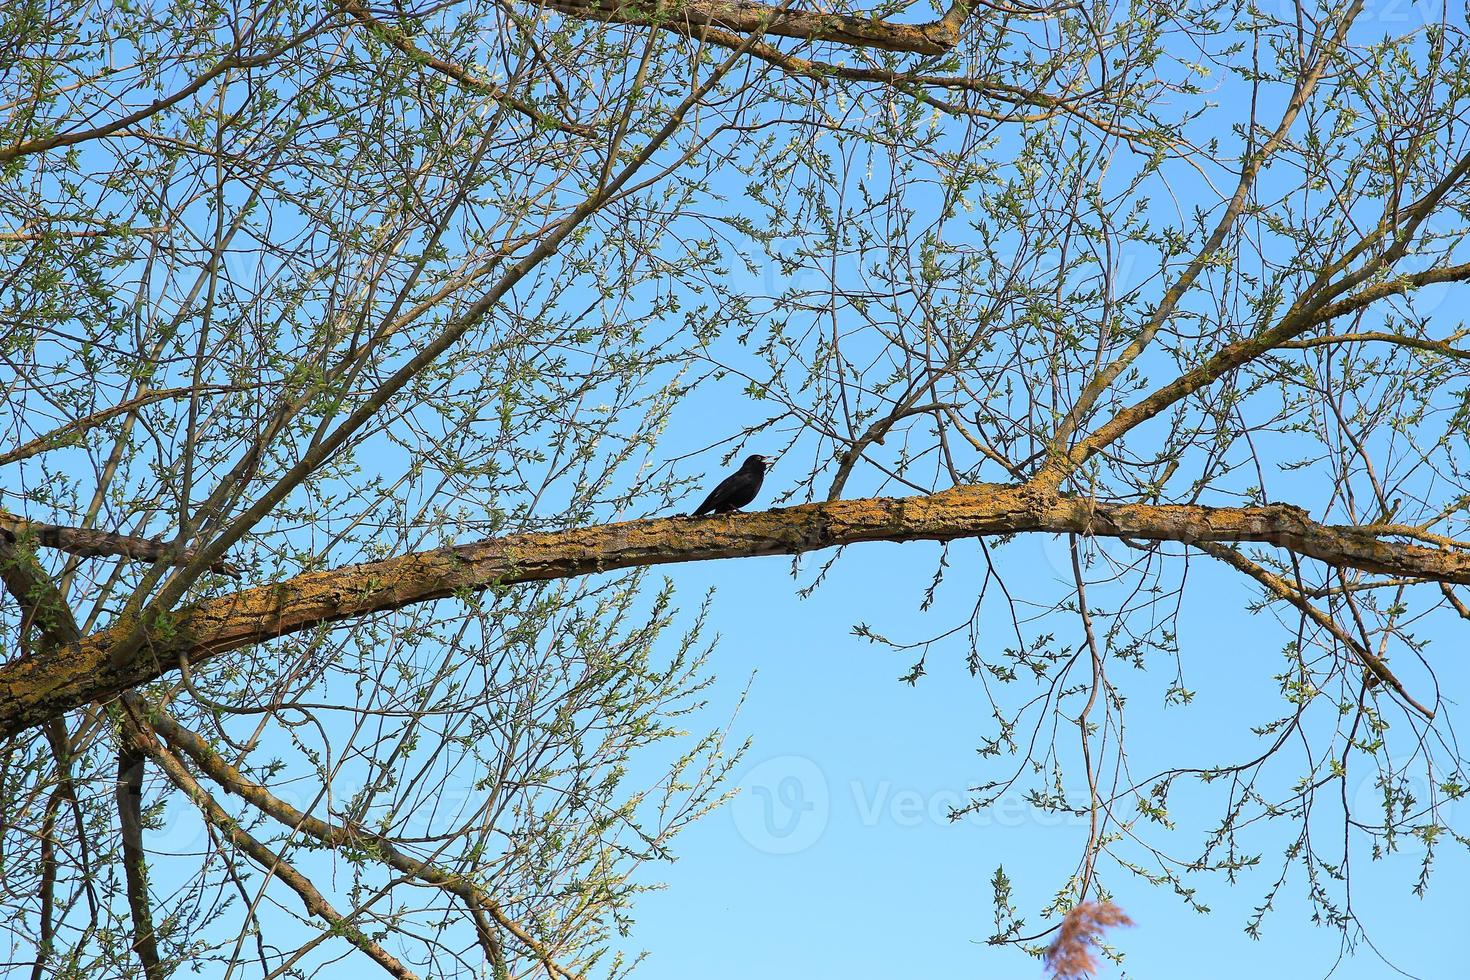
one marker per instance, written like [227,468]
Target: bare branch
[64,434]
[459,73]
[144,740]
[181,739]
[221,67]
[1283,589]
[1398,340]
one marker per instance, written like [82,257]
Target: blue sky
[863,877]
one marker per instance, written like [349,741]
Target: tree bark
[90,543]
[129,797]
[779,20]
[47,683]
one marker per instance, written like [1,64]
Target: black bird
[737,489]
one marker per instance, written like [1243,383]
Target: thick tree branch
[129,799]
[90,543]
[744,17]
[38,687]
[48,883]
